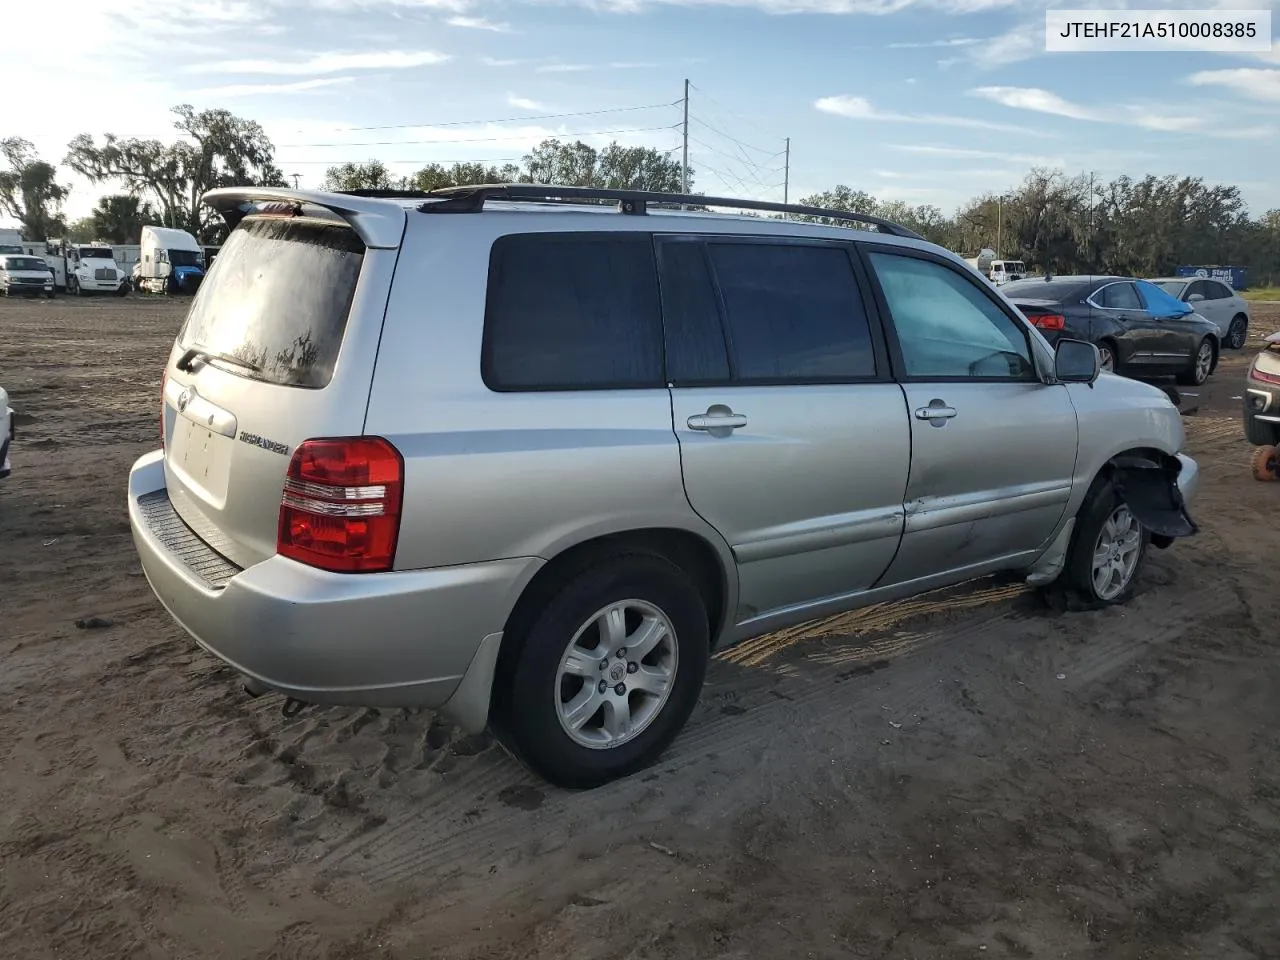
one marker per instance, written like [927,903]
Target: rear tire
[1104,538]
[1107,356]
[1202,363]
[565,658]
[1238,332]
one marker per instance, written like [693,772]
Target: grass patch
[1261,293]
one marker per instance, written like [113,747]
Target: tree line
[1054,222]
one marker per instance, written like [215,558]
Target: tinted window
[1217,291]
[695,337]
[1196,287]
[1118,296]
[792,312]
[279,299]
[571,311]
[947,326]
[1161,303]
[1057,291]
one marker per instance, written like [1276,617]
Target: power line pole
[786,175]
[295,176]
[684,168]
[999,224]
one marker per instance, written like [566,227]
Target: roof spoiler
[379,223]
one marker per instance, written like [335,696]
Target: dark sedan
[1139,329]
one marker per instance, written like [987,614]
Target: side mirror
[1076,361]
[1195,298]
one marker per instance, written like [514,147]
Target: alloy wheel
[616,674]
[1115,553]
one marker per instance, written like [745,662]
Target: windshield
[24,263]
[279,300]
[10,248]
[186,258]
[1172,287]
[96,253]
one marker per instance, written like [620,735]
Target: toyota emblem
[183,399]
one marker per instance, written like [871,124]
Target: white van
[1004,271]
[172,262]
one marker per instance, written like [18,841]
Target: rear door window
[1119,296]
[792,312]
[277,306]
[572,311]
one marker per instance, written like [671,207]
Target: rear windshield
[1055,292]
[278,299]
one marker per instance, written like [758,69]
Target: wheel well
[688,551]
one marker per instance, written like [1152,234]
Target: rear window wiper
[186,362]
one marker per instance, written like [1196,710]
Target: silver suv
[530,455]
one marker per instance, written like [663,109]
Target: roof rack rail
[471,199]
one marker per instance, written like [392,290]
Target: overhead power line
[514,136]
[532,116]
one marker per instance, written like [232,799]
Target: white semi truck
[172,262]
[85,268]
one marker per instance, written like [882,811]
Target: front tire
[608,671]
[1107,549]
[1201,366]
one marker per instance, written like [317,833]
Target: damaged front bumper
[1158,494]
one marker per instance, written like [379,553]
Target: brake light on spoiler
[340,509]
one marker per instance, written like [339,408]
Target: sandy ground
[958,776]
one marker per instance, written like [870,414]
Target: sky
[927,101]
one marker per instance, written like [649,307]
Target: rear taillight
[1256,374]
[1049,321]
[341,505]
[164,382]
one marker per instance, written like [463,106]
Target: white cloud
[260,89]
[327,63]
[1257,83]
[1158,118]
[1032,160]
[478,23]
[494,62]
[524,103]
[860,108]
[929,44]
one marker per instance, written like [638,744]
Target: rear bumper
[392,639]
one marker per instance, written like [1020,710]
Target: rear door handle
[727,421]
[935,413]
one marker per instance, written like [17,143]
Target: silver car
[1216,301]
[531,459]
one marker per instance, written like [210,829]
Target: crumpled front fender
[1151,491]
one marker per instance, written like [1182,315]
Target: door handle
[724,421]
[932,412]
